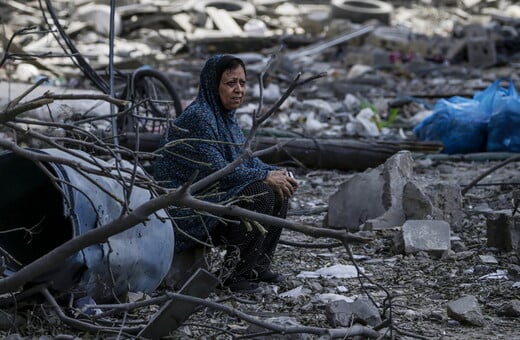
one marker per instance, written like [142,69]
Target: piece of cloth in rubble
[215,140]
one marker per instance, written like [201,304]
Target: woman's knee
[258,197]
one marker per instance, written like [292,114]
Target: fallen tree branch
[311,245]
[81,325]
[356,330]
[487,172]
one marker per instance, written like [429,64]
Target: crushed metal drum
[38,214]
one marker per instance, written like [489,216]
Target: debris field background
[426,51]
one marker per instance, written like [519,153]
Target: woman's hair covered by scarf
[210,78]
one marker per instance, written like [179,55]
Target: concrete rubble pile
[385,62]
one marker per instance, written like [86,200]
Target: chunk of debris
[340,271]
[430,236]
[488,259]
[437,201]
[284,321]
[98,16]
[466,310]
[503,230]
[510,309]
[344,314]
[295,293]
[372,197]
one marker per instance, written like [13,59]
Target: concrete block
[436,201]
[372,198]
[431,236]
[481,51]
[503,230]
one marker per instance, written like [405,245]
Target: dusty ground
[421,286]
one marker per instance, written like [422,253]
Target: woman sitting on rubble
[214,140]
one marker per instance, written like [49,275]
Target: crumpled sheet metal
[138,258]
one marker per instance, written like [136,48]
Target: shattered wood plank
[224,21]
[174,312]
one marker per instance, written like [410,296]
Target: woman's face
[232,87]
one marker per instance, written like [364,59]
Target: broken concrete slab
[372,198]
[98,16]
[429,236]
[437,201]
[466,310]
[341,313]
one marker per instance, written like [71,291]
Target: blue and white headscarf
[206,120]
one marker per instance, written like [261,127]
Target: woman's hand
[281,183]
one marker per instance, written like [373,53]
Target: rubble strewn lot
[444,257]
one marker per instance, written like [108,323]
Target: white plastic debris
[420,116]
[330,297]
[339,271]
[498,275]
[342,289]
[358,70]
[271,93]
[245,121]
[363,125]
[312,124]
[320,105]
[296,292]
[352,103]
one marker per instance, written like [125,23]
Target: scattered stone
[331,297]
[510,309]
[488,259]
[429,236]
[466,310]
[457,245]
[340,271]
[344,314]
[282,321]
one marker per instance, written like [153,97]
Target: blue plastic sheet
[487,122]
